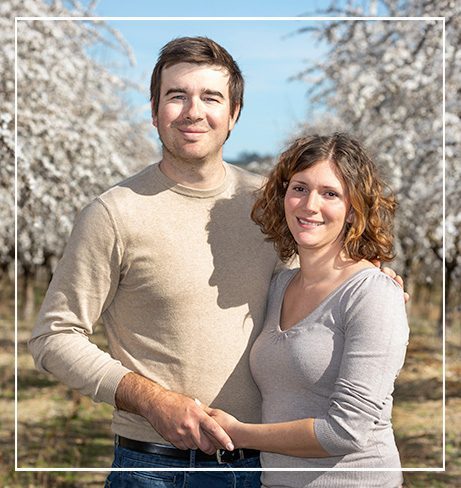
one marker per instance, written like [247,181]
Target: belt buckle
[222,453]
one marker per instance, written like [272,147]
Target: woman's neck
[319,266]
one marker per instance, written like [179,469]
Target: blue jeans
[126,458]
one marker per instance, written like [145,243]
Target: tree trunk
[409,282]
[449,268]
[28,295]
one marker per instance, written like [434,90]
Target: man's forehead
[180,70]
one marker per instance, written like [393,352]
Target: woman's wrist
[242,437]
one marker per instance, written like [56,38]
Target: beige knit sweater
[179,277]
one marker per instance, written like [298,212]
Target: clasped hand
[232,426]
[188,425]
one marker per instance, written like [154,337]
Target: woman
[336,330]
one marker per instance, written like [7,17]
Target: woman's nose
[311,202]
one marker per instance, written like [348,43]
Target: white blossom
[382,81]
[77,135]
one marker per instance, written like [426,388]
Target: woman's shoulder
[371,280]
[282,277]
[371,295]
[279,282]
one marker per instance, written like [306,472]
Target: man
[179,273]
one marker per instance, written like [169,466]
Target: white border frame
[161,19]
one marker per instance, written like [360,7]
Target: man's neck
[202,175]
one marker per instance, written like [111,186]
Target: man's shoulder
[246,178]
[143,182]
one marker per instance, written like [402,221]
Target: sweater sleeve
[375,339]
[82,288]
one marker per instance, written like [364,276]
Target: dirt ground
[58,428]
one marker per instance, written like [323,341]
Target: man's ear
[153,113]
[234,117]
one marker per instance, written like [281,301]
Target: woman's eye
[331,194]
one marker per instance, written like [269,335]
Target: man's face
[193,117]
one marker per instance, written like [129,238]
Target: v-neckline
[322,302]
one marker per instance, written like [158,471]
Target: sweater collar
[192,192]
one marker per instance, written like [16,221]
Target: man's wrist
[137,394]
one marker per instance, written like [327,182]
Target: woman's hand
[293,438]
[225,420]
[233,427]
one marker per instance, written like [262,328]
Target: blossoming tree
[77,134]
[383,81]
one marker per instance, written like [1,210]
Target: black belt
[221,456]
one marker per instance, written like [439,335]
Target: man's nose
[193,110]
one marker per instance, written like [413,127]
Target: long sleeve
[375,338]
[82,287]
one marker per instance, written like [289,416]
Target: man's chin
[191,153]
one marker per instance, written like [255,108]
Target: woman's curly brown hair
[370,235]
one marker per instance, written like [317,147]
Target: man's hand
[176,417]
[182,422]
[397,278]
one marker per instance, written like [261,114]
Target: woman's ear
[350,216]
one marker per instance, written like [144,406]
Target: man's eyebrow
[213,93]
[175,90]
[204,92]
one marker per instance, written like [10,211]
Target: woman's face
[317,207]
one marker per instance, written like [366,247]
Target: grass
[59,428]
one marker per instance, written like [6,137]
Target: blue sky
[265,51]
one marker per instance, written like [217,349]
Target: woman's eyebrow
[323,187]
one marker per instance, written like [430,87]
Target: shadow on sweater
[243,266]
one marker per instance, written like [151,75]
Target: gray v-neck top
[337,365]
